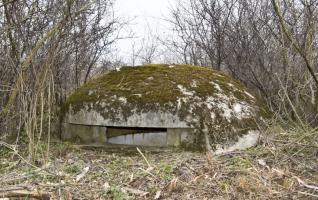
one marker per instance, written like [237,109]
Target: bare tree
[47,48]
[145,50]
[265,45]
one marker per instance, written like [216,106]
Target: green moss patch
[182,90]
[153,84]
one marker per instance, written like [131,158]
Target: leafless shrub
[270,51]
[47,48]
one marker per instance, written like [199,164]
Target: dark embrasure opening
[147,136]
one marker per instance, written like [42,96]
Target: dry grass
[283,166]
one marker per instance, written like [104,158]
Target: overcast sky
[146,14]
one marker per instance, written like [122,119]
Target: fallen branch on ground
[24,193]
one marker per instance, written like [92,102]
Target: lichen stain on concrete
[246,141]
[166,96]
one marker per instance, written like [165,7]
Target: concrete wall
[184,137]
[85,134]
[147,119]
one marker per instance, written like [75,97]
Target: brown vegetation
[283,166]
[48,48]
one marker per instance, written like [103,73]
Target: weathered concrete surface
[98,135]
[178,98]
[184,137]
[147,119]
[243,142]
[84,134]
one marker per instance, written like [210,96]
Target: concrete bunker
[152,136]
[162,106]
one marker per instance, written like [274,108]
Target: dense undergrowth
[282,166]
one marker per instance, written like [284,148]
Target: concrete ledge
[84,134]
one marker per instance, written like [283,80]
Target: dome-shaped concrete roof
[166,96]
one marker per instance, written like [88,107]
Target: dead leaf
[135,191]
[157,196]
[106,186]
[173,185]
[81,175]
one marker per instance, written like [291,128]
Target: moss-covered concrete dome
[167,96]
